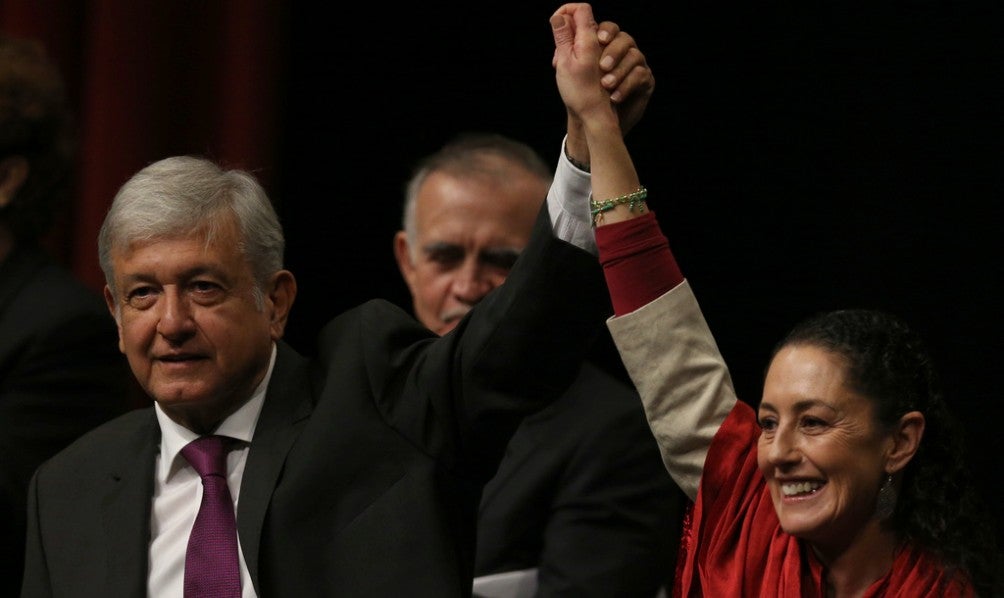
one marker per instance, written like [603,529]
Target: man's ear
[402,253]
[280,295]
[906,439]
[116,314]
[13,173]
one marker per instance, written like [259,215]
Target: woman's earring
[886,503]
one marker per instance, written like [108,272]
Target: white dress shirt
[177,493]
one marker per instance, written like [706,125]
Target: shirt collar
[240,425]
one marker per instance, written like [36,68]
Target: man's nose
[473,281]
[175,321]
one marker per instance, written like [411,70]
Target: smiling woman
[823,451]
[803,504]
[853,482]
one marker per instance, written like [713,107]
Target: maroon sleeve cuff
[637,262]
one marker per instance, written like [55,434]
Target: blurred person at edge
[60,374]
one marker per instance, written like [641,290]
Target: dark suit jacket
[366,467]
[583,495]
[60,375]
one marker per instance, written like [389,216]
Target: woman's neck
[851,569]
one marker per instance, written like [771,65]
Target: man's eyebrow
[502,251]
[494,254]
[438,246]
[188,274]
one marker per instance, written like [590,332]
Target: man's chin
[447,327]
[178,400]
[449,320]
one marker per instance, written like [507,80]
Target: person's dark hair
[35,124]
[938,507]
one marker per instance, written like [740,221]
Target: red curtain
[149,80]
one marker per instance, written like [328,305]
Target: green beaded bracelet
[635,199]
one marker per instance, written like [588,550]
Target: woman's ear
[906,438]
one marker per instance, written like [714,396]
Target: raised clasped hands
[598,58]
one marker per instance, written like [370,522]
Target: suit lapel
[125,509]
[288,402]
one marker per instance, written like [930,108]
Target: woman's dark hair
[35,124]
[938,507]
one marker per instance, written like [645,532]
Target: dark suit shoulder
[376,337]
[369,309]
[36,288]
[376,321]
[596,403]
[582,494]
[44,309]
[597,422]
[118,438]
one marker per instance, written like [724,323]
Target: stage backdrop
[800,159]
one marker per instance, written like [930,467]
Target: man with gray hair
[258,472]
[358,473]
[582,504]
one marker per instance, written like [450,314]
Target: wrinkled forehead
[470,233]
[215,239]
[455,208]
[219,227]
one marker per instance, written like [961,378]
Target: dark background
[799,159]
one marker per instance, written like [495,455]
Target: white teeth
[799,488]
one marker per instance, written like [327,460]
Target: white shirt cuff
[568,204]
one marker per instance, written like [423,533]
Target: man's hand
[624,73]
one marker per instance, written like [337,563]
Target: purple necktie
[212,569]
